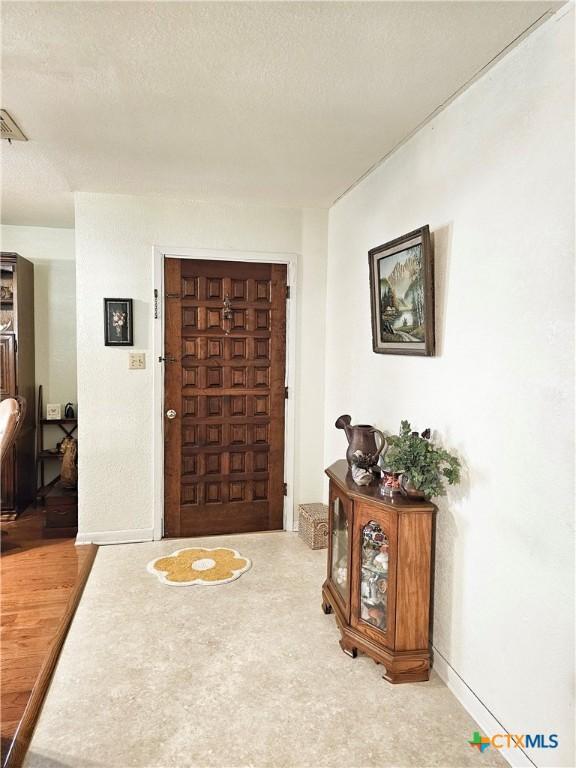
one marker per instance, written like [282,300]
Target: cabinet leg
[408,672]
[326,607]
[349,650]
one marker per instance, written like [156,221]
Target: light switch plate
[136,360]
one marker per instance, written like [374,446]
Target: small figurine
[361,476]
[377,615]
[341,572]
[68,411]
[69,470]
[370,592]
[363,468]
[369,557]
[391,483]
[381,558]
[383,586]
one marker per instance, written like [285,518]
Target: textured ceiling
[280,103]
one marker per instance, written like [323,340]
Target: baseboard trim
[487,722]
[116,537]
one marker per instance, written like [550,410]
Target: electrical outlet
[136,360]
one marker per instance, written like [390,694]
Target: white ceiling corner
[276,103]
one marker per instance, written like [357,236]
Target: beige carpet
[248,674]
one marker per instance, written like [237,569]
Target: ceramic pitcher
[361,437]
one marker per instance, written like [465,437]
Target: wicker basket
[313,525]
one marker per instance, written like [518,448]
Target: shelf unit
[68,428]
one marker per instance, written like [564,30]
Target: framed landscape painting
[118,323]
[402,295]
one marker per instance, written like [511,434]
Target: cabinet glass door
[374,576]
[6,298]
[339,572]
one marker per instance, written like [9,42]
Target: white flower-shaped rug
[197,565]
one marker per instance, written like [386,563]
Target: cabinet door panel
[414,578]
[374,574]
[7,366]
[7,481]
[339,551]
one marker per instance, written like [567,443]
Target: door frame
[206,254]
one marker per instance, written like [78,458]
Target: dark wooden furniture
[60,512]
[379,575]
[17,378]
[225,341]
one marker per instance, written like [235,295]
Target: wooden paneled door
[225,360]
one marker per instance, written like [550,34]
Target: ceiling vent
[10,130]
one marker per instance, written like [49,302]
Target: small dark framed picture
[118,323]
[402,295]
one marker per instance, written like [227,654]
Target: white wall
[309,453]
[115,235]
[493,177]
[51,250]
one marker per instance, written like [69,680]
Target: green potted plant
[425,467]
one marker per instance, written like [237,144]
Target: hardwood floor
[41,584]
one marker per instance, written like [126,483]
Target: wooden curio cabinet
[17,378]
[379,575]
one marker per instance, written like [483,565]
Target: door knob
[171,414]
